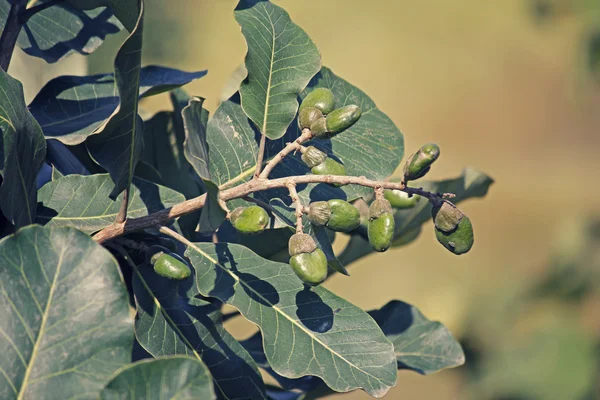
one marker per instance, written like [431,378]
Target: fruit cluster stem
[293,146]
[299,207]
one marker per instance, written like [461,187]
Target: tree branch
[256,185]
[261,155]
[299,208]
[10,34]
[295,145]
[122,215]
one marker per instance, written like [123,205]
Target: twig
[170,232]
[162,217]
[295,145]
[30,12]
[122,215]
[299,207]
[10,34]
[261,155]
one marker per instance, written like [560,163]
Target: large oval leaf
[83,202]
[165,378]
[281,60]
[168,324]
[61,30]
[421,345]
[70,108]
[65,324]
[22,153]
[306,332]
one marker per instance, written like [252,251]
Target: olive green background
[495,88]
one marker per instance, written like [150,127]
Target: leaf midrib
[42,326]
[294,322]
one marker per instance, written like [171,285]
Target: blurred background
[510,87]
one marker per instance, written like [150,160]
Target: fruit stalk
[299,207]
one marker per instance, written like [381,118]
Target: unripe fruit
[319,213]
[342,118]
[307,116]
[249,220]
[418,164]
[399,199]
[381,225]
[329,167]
[321,99]
[319,128]
[169,267]
[313,156]
[310,267]
[301,243]
[460,240]
[344,216]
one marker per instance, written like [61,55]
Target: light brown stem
[261,155]
[293,146]
[122,215]
[299,207]
[256,185]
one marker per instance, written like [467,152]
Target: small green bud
[329,167]
[313,156]
[344,216]
[446,216]
[381,225]
[319,213]
[249,220]
[310,267]
[460,240]
[342,118]
[307,116]
[301,243]
[321,99]
[418,164]
[319,128]
[399,199]
[170,267]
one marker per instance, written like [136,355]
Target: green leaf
[421,345]
[22,153]
[62,30]
[195,146]
[118,144]
[83,202]
[281,60]
[71,108]
[302,333]
[177,377]
[212,214]
[66,325]
[168,324]
[471,183]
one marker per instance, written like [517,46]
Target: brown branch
[295,145]
[256,185]
[261,155]
[122,215]
[10,34]
[299,207]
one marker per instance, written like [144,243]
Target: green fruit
[249,220]
[344,216]
[400,199]
[310,267]
[319,213]
[313,156]
[446,216]
[418,164]
[342,118]
[460,240]
[307,116]
[170,267]
[329,167]
[321,99]
[301,243]
[381,225]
